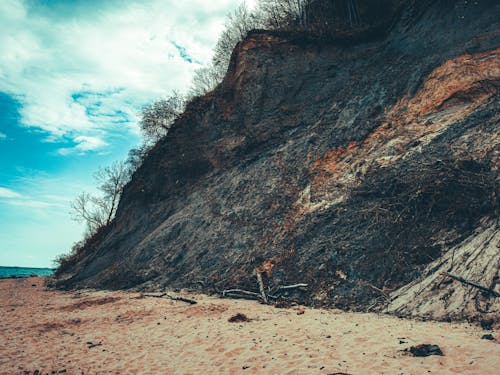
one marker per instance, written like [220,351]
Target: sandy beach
[100,332]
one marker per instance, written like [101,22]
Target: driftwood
[246,294]
[294,286]
[243,296]
[182,299]
[261,287]
[471,283]
[240,291]
[262,296]
[91,345]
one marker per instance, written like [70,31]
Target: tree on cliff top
[315,16]
[282,14]
[238,24]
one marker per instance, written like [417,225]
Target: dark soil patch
[89,303]
[239,318]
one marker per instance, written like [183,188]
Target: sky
[74,75]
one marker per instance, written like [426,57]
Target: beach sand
[96,332]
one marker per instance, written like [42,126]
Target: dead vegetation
[407,205]
[400,219]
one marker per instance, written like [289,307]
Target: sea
[6,272]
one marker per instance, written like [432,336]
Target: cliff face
[348,166]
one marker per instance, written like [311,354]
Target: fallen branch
[261,286]
[154,295]
[382,293]
[91,345]
[182,299]
[232,291]
[243,296]
[471,283]
[292,286]
[377,301]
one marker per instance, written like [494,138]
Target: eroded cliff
[352,166]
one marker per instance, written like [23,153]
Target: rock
[488,336]
[239,318]
[425,350]
[487,324]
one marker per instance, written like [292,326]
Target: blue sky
[73,76]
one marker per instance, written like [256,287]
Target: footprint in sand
[234,352]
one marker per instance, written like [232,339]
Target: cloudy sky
[73,76]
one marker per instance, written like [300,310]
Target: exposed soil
[354,167]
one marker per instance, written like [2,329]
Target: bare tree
[87,209]
[238,24]
[112,180]
[157,118]
[316,16]
[205,79]
[98,211]
[282,14]
[319,16]
[136,156]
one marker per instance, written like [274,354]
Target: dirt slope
[349,166]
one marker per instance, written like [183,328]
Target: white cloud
[38,190]
[83,144]
[80,71]
[80,68]
[29,203]
[2,136]
[89,143]
[8,193]
[13,198]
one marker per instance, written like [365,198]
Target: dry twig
[471,283]
[182,299]
[261,287]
